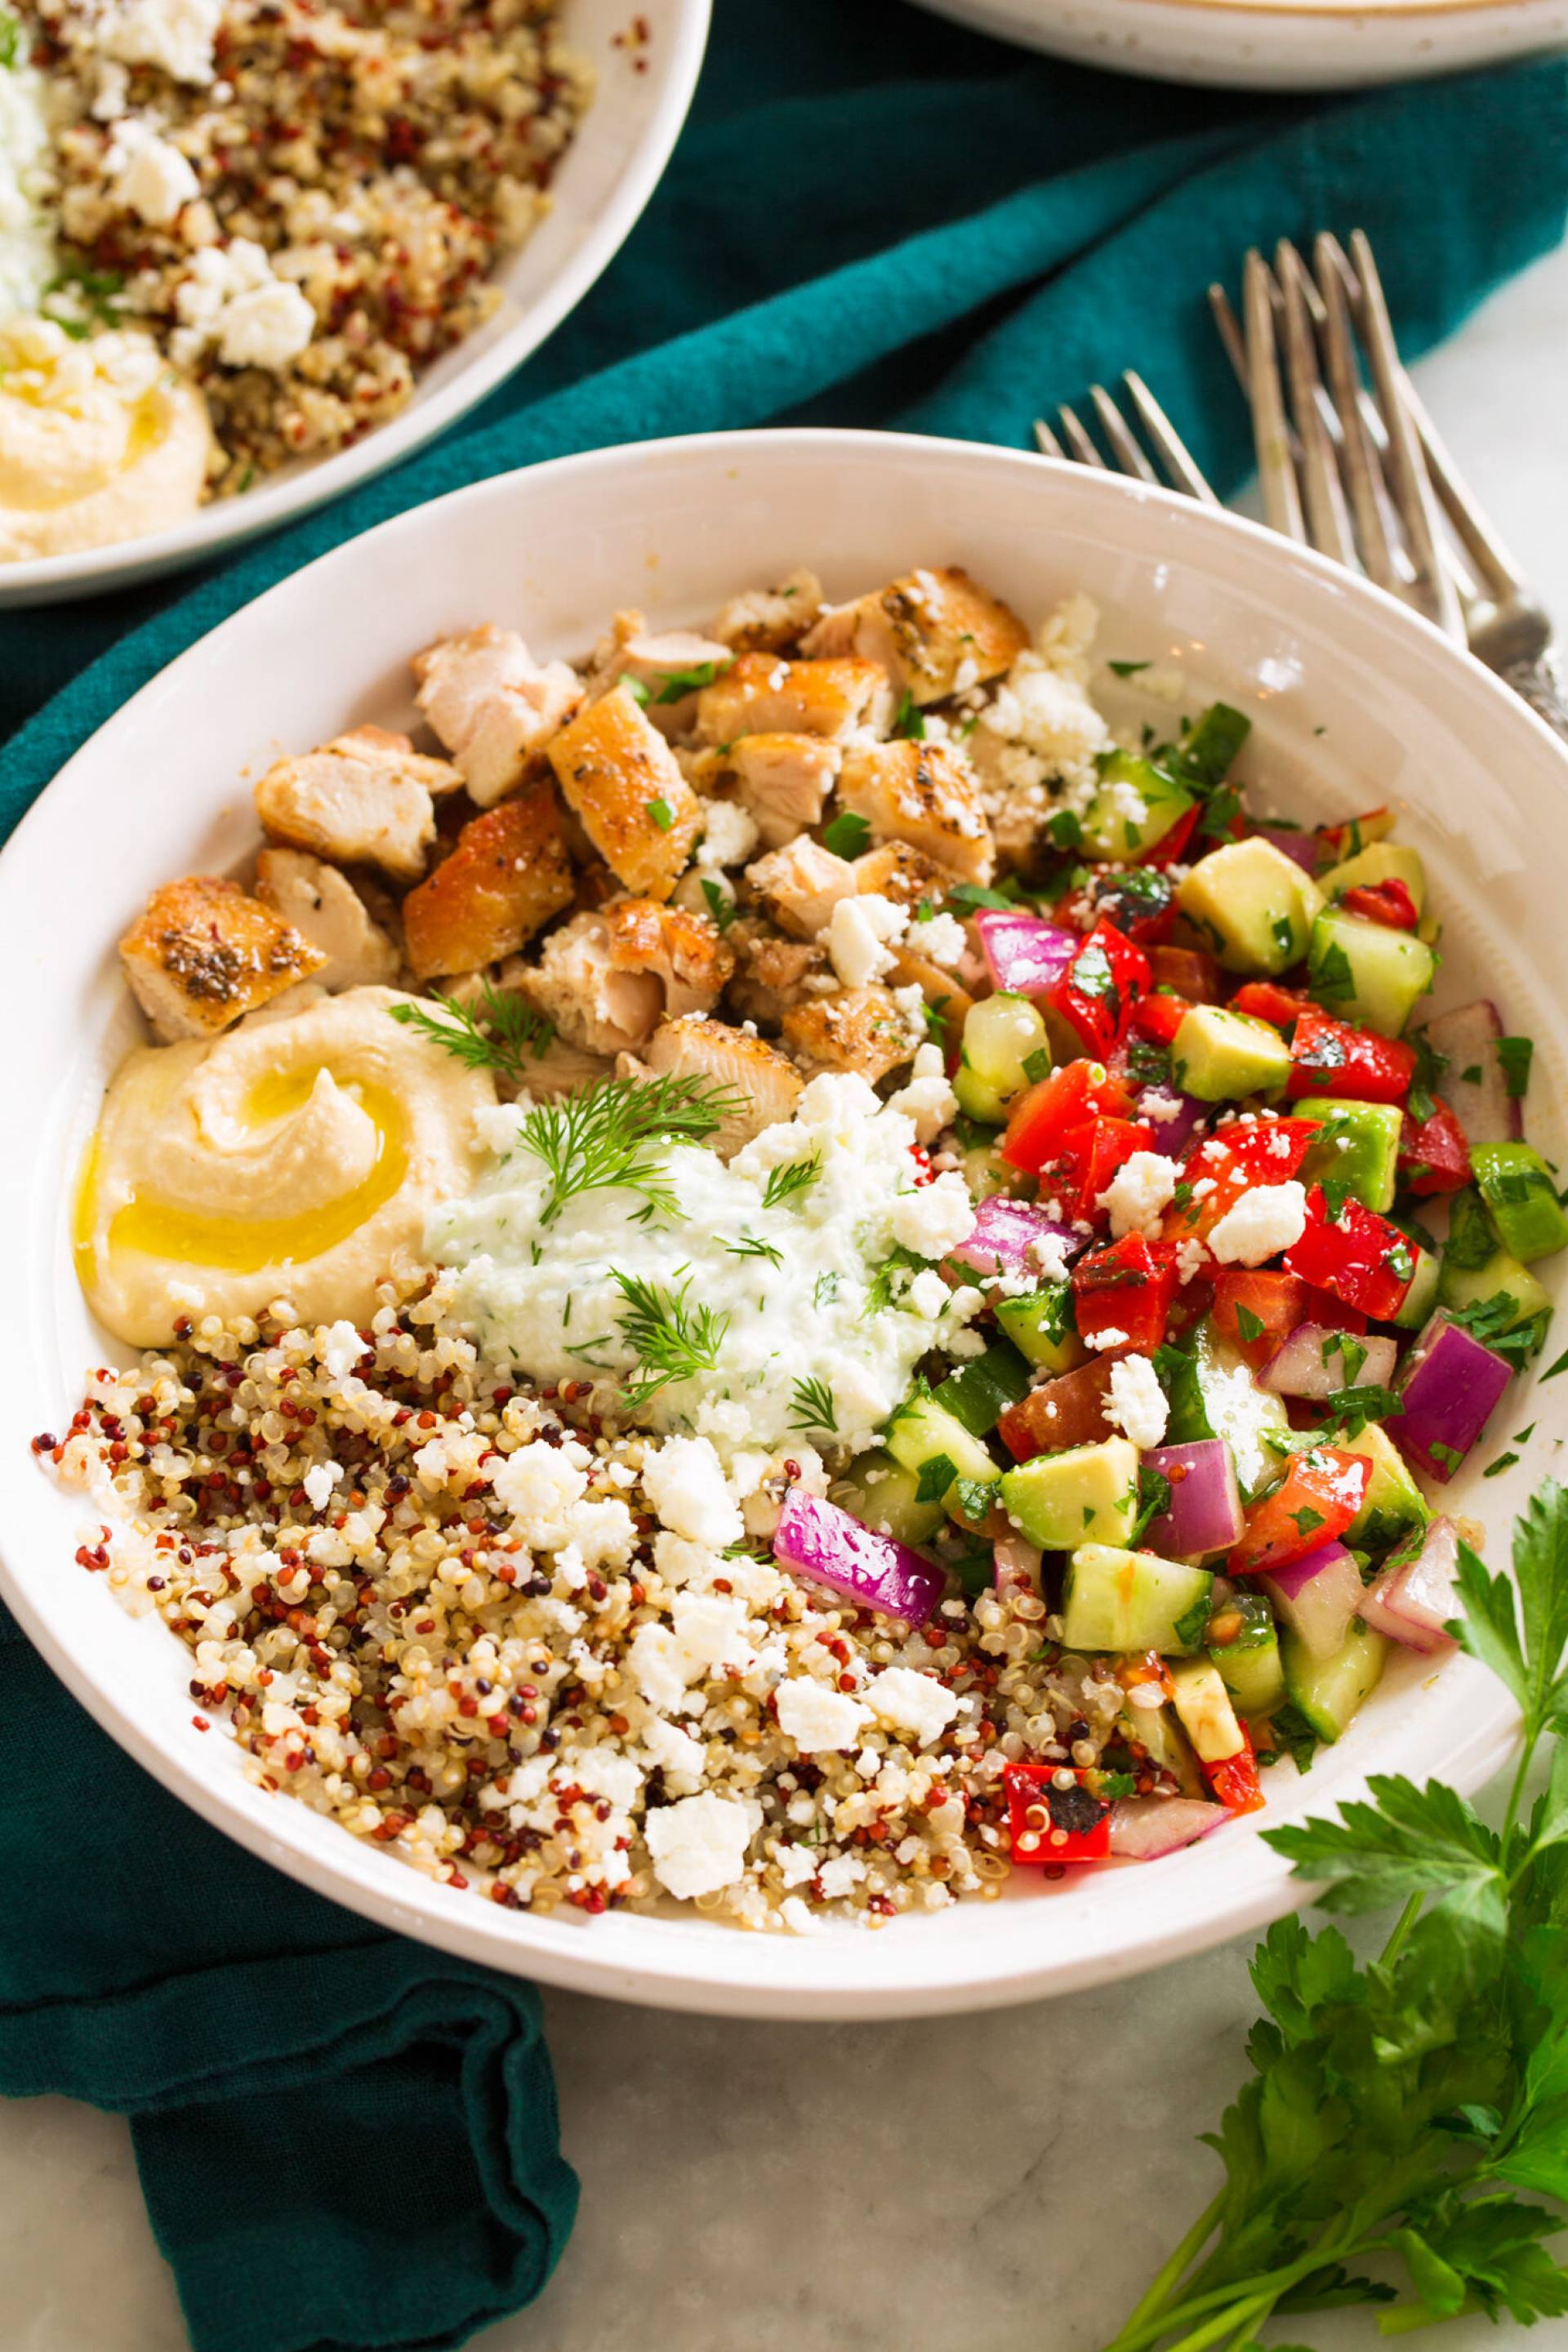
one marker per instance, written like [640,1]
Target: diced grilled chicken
[672,665]
[684,949]
[941,991]
[624,783]
[782,780]
[202,951]
[926,794]
[508,874]
[772,974]
[493,706]
[363,799]
[858,1029]
[893,870]
[771,620]
[800,886]
[764,1083]
[325,908]
[608,978]
[765,695]
[551,1068]
[935,634]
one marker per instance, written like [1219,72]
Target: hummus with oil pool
[299,1159]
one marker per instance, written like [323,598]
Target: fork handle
[1540,683]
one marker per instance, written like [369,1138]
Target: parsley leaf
[846,836]
[1515,1055]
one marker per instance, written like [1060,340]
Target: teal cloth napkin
[346,2141]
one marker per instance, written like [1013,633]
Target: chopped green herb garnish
[1250,1326]
[1126,668]
[846,836]
[812,1407]
[500,1030]
[671,1339]
[662,814]
[1515,1055]
[721,906]
[909,720]
[611,1136]
[794,1176]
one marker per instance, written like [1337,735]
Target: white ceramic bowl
[1273,44]
[610,171]
[1354,702]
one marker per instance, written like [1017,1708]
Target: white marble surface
[960,2186]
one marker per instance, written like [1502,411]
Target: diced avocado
[1516,1185]
[1248,1417]
[1113,828]
[1366,973]
[1382,861]
[1422,1294]
[980,1391]
[1004,1050]
[950,1463]
[1114,1599]
[1329,1691]
[1041,1324]
[1359,1146]
[1220,1056]
[1156,1730]
[1254,903]
[1249,1661]
[1086,1496]
[883,1495]
[1203,1704]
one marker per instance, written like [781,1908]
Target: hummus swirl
[99,441]
[297,1159]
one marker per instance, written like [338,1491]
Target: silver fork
[1178,471]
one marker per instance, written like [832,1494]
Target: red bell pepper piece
[1234,1779]
[1192,972]
[1322,1307]
[1042,1119]
[1329,1057]
[1125,1287]
[1434,1156]
[1354,1253]
[1159,1016]
[1314,1504]
[1268,1000]
[1049,1823]
[1096,1151]
[1389,903]
[1217,1171]
[1096,994]
[1168,848]
[1258,1310]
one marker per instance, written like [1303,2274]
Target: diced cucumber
[986,1172]
[1112,827]
[1001,1033]
[1516,1185]
[1155,1729]
[1500,1277]
[1393,1505]
[1203,1705]
[1330,1691]
[1248,1417]
[1366,973]
[950,1463]
[1088,1495]
[1220,1056]
[1359,1146]
[1114,1599]
[1422,1296]
[1254,903]
[1248,1663]
[980,1391]
[1382,861]
[1041,1324]
[882,1495]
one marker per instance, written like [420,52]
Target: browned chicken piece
[927,795]
[858,1029]
[325,909]
[935,634]
[672,665]
[771,620]
[799,886]
[765,695]
[625,784]
[551,1067]
[363,799]
[493,706]
[893,870]
[684,951]
[608,978]
[783,782]
[772,974]
[765,1085]
[508,874]
[202,951]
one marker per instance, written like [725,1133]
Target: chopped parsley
[1126,668]
[935,1475]
[662,814]
[1332,977]
[909,720]
[1250,1326]
[1515,1055]
[682,682]
[846,836]
[721,906]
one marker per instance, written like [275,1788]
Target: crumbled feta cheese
[941,939]
[699,1844]
[677,1754]
[1158,1108]
[729,834]
[934,1218]
[340,1348]
[684,1481]
[231,298]
[1111,1337]
[1266,1220]
[318,1481]
[927,1098]
[927,1293]
[816,1717]
[1140,1189]
[911,1702]
[839,1875]
[1137,1402]
[857,937]
[539,1485]
[175,35]
[149,176]
[266,327]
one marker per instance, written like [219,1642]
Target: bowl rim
[695,1975]
[234,521]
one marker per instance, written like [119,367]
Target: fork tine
[1166,442]
[1356,453]
[1276,471]
[1328,524]
[1123,447]
[1046,441]
[1079,445]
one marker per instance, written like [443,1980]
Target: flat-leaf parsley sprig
[610,1137]
[500,1030]
[1396,2109]
[671,1339]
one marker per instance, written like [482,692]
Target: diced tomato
[1234,1779]
[1042,1119]
[1434,1156]
[1247,1152]
[1354,1253]
[1126,1288]
[1159,1016]
[1049,1823]
[1389,903]
[1329,1057]
[1267,1000]
[1142,906]
[1168,848]
[1338,842]
[1258,1310]
[1096,994]
[1190,1305]
[1069,1410]
[1095,1152]
[1192,972]
[1314,1504]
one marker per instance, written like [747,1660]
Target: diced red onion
[1005,1232]
[1467,1038]
[1292,841]
[1316,1597]
[1016,1564]
[1205,1504]
[1144,1828]
[820,1540]
[1413,1599]
[1023,953]
[1173,1135]
[1449,1389]
[1298,1367]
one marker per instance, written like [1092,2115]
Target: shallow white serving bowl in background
[1273,44]
[1354,702]
[606,179]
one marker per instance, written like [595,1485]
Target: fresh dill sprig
[813,1401]
[671,1340]
[795,1176]
[750,1246]
[608,1137]
[500,1031]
